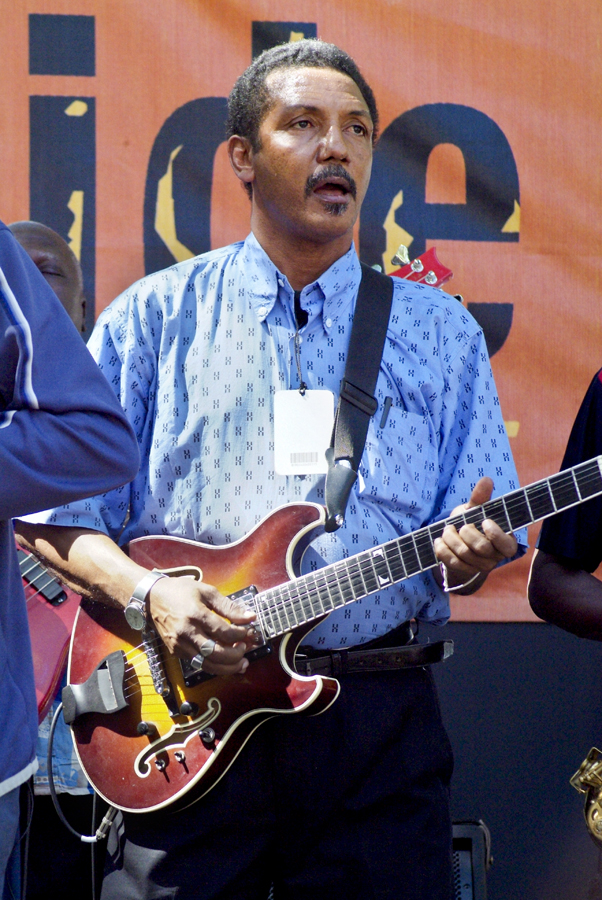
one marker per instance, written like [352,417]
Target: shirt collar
[329,296]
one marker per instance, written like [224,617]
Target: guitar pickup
[246,597]
[102,692]
[40,579]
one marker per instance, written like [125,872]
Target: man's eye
[303,123]
[359,129]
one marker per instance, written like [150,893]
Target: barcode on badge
[303,459]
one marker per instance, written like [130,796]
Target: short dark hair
[249,99]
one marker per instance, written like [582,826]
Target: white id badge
[302,431]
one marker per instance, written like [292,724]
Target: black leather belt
[377,656]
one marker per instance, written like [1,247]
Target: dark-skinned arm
[568,597]
[185,612]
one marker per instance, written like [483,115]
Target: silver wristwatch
[135,611]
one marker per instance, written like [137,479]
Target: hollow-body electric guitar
[150,732]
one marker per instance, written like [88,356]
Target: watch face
[135,617]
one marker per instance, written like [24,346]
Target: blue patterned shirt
[196,353]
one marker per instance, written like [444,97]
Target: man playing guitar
[353,802]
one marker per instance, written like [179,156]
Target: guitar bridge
[102,692]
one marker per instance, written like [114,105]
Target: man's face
[312,168]
[53,257]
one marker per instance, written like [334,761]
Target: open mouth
[332,191]
[332,185]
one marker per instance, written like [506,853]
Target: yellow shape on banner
[396,235]
[76,205]
[296,36]
[512,226]
[512,428]
[77,108]
[165,216]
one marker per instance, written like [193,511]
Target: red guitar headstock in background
[425,268]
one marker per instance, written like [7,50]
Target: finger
[232,610]
[221,661]
[505,544]
[216,625]
[481,492]
[467,551]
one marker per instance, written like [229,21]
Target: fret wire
[320,588]
[378,556]
[525,494]
[278,606]
[338,587]
[496,511]
[576,483]
[305,598]
[359,575]
[288,605]
[352,578]
[424,542]
[323,589]
[267,614]
[348,580]
[541,502]
[591,476]
[563,489]
[367,571]
[410,557]
[392,551]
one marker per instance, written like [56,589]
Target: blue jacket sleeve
[63,435]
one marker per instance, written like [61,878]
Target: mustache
[328,172]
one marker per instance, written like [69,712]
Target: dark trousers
[57,864]
[353,803]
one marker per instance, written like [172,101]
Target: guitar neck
[288,606]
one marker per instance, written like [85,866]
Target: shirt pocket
[399,465]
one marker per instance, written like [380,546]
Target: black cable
[26,835]
[101,831]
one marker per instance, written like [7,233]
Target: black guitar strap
[357,403]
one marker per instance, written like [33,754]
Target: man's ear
[241,158]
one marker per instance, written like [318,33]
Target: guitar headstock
[425,268]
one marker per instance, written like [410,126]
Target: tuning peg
[402,257]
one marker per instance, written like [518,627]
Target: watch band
[135,611]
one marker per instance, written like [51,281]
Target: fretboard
[282,609]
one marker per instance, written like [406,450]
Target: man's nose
[333,144]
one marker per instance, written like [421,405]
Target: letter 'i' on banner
[177,196]
[62,165]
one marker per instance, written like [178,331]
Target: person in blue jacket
[63,437]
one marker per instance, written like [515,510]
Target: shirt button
[328,323]
[262,310]
[281,282]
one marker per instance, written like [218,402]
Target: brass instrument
[588,780]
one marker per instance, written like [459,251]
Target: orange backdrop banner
[112,118]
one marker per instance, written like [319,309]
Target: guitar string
[300,590]
[586,474]
[31,582]
[301,594]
